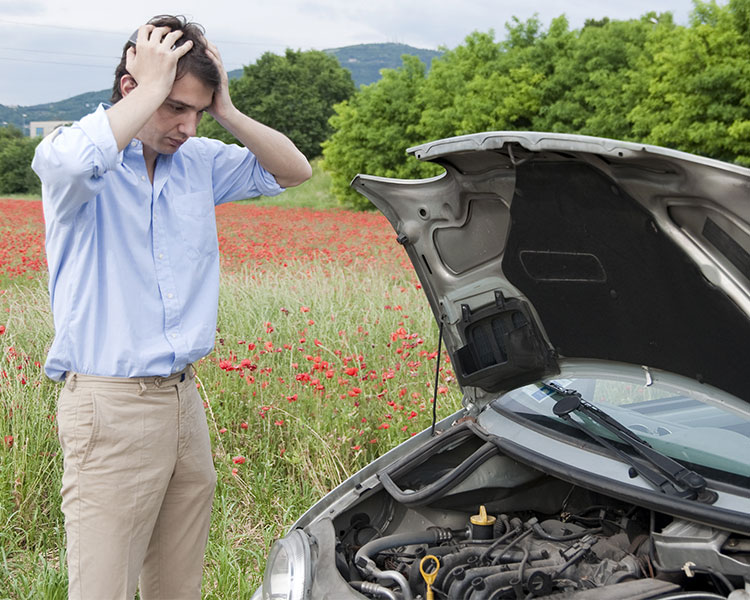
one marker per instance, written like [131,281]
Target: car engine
[465,521]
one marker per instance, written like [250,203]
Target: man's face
[177,118]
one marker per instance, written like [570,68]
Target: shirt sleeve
[71,163]
[237,174]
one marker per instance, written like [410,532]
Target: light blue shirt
[134,267]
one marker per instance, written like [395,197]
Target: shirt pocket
[197,220]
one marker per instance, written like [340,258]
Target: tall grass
[315,372]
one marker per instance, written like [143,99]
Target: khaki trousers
[138,483]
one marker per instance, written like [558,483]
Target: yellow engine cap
[482,518]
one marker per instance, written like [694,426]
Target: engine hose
[434,535]
[373,589]
[437,489]
[365,557]
[496,559]
[398,579]
[509,532]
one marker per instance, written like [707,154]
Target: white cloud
[51,50]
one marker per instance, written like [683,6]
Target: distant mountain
[64,110]
[364,61]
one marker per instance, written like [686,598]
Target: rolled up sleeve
[71,163]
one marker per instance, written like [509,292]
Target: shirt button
[161,256]
[133,143]
[143,178]
[173,335]
[170,295]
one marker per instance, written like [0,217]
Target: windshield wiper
[664,473]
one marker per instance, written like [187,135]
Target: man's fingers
[144,31]
[159,34]
[181,51]
[171,37]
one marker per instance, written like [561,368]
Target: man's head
[195,62]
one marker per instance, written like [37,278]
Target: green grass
[299,442]
[314,193]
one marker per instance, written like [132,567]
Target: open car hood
[538,248]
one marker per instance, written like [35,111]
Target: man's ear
[127,84]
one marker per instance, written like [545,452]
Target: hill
[364,61]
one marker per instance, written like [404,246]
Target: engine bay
[464,521]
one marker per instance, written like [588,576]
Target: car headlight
[287,574]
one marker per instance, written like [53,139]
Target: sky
[51,50]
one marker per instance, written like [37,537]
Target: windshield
[711,437]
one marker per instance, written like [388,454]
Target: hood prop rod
[437,378]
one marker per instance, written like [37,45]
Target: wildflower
[243,425]
[8,441]
[239,460]
[235,471]
[279,422]
[351,370]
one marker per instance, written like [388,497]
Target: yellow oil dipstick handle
[429,577]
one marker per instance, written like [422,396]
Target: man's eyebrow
[181,104]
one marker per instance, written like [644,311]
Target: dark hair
[195,62]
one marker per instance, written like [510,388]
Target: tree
[588,89]
[374,128]
[294,93]
[16,153]
[698,85]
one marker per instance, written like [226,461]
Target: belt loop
[71,382]
[143,387]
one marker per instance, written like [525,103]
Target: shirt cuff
[267,184]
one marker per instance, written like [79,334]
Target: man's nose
[189,124]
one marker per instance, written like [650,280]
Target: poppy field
[325,357]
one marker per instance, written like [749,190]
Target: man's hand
[152,67]
[222,104]
[152,62]
[274,150]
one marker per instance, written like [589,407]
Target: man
[129,200]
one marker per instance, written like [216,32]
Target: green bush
[16,153]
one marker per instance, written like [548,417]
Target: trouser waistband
[74,380]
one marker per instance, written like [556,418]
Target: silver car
[594,297]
